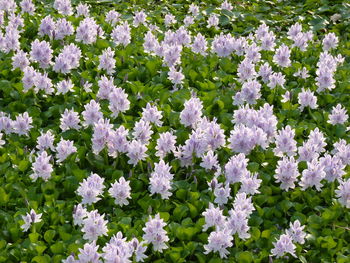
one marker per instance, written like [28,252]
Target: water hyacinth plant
[203,131]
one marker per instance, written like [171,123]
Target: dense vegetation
[174,131]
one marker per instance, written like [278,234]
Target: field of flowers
[174,131]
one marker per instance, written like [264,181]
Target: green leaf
[180,212]
[49,235]
[244,257]
[33,237]
[41,259]
[57,248]
[4,197]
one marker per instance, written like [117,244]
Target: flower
[287,172]
[213,217]
[29,219]
[90,189]
[42,167]
[313,175]
[192,112]
[296,232]
[343,193]
[120,191]
[338,115]
[283,245]
[69,120]
[63,149]
[94,226]
[219,241]
[155,234]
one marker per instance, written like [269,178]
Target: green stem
[123,117]
[140,163]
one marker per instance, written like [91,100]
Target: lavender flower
[41,52]
[333,166]
[176,77]
[313,175]
[118,101]
[42,167]
[45,141]
[92,113]
[244,139]
[47,26]
[169,19]
[29,219]
[281,56]
[237,223]
[223,45]
[82,10]
[265,71]
[101,133]
[276,79]
[121,34]
[120,191]
[94,226]
[20,60]
[152,114]
[89,253]
[226,6]
[285,142]
[219,241]
[296,232]
[107,62]
[79,214]
[250,183]
[243,203]
[302,73]
[87,31]
[22,124]
[165,144]
[210,161]
[136,152]
[90,189]
[330,41]
[117,141]
[286,173]
[250,93]
[192,112]
[64,7]
[199,45]
[63,149]
[236,168]
[306,98]
[343,193]
[69,120]
[112,17]
[283,245]
[246,70]
[27,6]
[63,28]
[213,21]
[155,234]
[213,217]
[139,18]
[222,194]
[160,180]
[65,86]
[117,249]
[338,115]
[68,59]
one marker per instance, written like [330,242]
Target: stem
[123,117]
[106,156]
[140,162]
